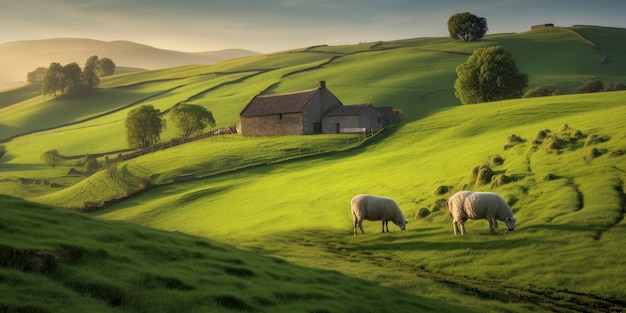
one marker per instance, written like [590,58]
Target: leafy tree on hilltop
[36,76]
[72,77]
[143,126]
[191,119]
[53,79]
[90,73]
[467,26]
[489,74]
[106,67]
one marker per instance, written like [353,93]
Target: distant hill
[17,58]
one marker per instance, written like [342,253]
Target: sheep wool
[465,205]
[376,208]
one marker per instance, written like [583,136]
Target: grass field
[567,189]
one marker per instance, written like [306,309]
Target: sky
[267,26]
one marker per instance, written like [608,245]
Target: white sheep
[375,208]
[465,205]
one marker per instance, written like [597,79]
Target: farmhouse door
[317,128]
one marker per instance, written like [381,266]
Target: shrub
[539,91]
[616,86]
[484,175]
[591,85]
[442,190]
[512,140]
[91,164]
[595,139]
[423,212]
[500,180]
[552,143]
[594,153]
[496,160]
[540,136]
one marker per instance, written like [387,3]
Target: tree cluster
[71,79]
[144,124]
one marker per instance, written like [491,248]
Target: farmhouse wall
[362,117]
[272,125]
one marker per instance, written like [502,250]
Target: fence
[264,156]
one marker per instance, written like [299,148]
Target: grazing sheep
[375,208]
[478,205]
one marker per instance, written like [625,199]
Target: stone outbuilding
[312,111]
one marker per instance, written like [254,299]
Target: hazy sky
[274,25]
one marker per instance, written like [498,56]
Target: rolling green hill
[564,178]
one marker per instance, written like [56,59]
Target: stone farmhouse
[313,111]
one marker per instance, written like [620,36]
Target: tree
[591,85]
[53,80]
[3,151]
[143,126]
[52,157]
[106,67]
[489,74]
[467,26]
[191,119]
[72,75]
[90,73]
[36,76]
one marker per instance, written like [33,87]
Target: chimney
[322,84]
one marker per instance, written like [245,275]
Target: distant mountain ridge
[17,58]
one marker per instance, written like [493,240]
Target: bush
[91,164]
[591,85]
[594,139]
[542,91]
[616,86]
[500,180]
[496,160]
[594,153]
[540,136]
[512,140]
[484,175]
[423,212]
[442,190]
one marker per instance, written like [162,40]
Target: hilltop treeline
[70,78]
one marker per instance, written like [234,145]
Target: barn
[312,111]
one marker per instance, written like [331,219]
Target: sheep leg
[358,223]
[495,222]
[491,225]
[385,223]
[462,228]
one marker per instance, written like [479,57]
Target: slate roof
[348,110]
[277,104]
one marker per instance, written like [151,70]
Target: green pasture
[103,266]
[300,210]
[566,188]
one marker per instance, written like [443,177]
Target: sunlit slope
[414,74]
[53,260]
[579,206]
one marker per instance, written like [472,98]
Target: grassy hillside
[17,58]
[566,188]
[99,266]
